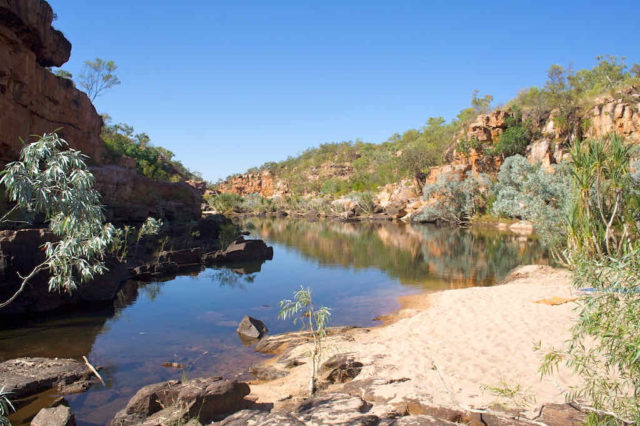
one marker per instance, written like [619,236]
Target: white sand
[475,336]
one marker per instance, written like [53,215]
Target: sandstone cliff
[34,101]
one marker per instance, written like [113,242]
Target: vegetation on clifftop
[337,169]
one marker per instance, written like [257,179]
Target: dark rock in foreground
[174,402]
[251,328]
[56,416]
[22,377]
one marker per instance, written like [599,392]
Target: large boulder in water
[251,328]
[174,402]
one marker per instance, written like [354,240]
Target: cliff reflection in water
[426,256]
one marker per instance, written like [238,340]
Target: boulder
[175,401]
[251,328]
[187,257]
[240,251]
[27,376]
[208,227]
[340,369]
[55,416]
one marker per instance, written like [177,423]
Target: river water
[357,269]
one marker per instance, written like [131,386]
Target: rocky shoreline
[388,375]
[20,253]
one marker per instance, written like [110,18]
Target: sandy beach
[449,349]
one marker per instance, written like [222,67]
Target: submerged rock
[175,402]
[56,416]
[251,328]
[22,377]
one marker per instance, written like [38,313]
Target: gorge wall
[615,113]
[34,101]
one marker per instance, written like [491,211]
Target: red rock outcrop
[620,116]
[262,183]
[34,101]
[132,197]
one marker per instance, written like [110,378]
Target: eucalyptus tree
[313,319]
[55,183]
[98,76]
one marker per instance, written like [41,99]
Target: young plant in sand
[314,320]
[51,181]
[603,249]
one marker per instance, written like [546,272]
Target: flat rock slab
[27,376]
[56,416]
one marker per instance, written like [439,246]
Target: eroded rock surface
[55,416]
[27,376]
[173,402]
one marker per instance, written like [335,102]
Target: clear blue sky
[227,85]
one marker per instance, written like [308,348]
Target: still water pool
[358,269]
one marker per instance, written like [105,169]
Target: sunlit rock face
[32,99]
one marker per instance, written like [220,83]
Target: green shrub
[525,191]
[153,162]
[515,138]
[225,203]
[603,249]
[454,201]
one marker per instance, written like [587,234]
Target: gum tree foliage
[603,249]
[97,76]
[55,182]
[153,162]
[314,320]
[454,201]
[5,408]
[526,191]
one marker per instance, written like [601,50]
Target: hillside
[539,123]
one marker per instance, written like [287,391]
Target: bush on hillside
[455,202]
[153,162]
[526,191]
[224,203]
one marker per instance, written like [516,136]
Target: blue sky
[227,85]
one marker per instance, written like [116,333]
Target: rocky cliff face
[262,183]
[34,101]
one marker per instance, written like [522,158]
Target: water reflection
[359,269]
[425,256]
